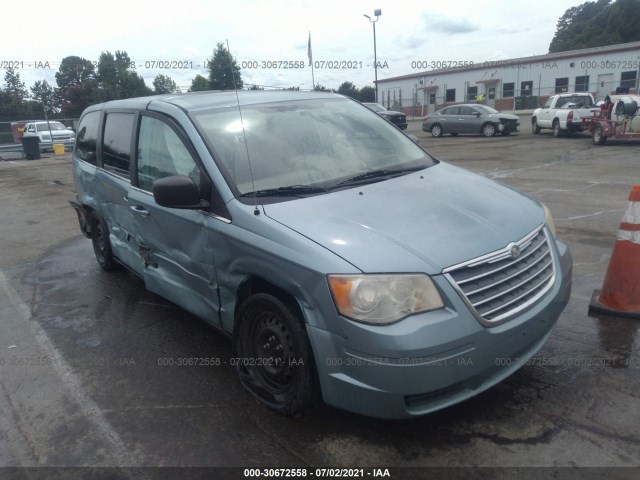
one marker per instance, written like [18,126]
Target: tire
[557,131]
[488,130]
[101,243]
[535,129]
[598,137]
[274,359]
[436,130]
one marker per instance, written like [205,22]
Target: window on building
[526,89]
[451,95]
[628,79]
[562,85]
[432,99]
[472,92]
[508,90]
[582,84]
[116,144]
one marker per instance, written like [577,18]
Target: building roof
[549,57]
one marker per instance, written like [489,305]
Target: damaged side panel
[177,254]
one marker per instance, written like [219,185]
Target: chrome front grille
[500,284]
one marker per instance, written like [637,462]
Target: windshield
[306,143]
[43,127]
[484,109]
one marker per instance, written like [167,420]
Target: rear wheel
[598,136]
[101,243]
[488,130]
[557,131]
[436,130]
[273,355]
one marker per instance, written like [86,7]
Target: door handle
[139,210]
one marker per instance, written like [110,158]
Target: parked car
[49,133]
[563,113]
[332,249]
[470,118]
[399,119]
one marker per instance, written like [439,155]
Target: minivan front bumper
[430,361]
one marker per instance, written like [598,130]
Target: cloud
[451,26]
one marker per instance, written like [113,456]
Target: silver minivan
[345,263]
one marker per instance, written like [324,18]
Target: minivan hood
[421,222]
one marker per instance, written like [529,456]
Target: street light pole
[377,12]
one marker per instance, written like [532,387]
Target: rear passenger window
[87,138]
[116,144]
[161,153]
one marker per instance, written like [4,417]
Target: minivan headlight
[549,219]
[382,299]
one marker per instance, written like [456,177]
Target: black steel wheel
[101,243]
[272,354]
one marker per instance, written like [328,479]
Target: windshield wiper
[380,174]
[291,190]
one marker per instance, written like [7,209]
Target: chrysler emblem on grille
[514,250]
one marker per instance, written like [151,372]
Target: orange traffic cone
[620,293]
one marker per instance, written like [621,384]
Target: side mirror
[176,192]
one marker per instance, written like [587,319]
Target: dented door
[174,244]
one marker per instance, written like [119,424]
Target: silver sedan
[470,118]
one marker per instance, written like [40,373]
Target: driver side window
[161,153]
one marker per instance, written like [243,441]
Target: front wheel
[273,356]
[535,129]
[488,130]
[598,136]
[436,130]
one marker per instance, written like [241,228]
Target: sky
[264,36]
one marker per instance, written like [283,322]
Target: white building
[515,84]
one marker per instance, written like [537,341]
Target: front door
[605,85]
[175,244]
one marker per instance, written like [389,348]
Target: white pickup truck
[563,113]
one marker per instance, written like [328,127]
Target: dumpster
[31,147]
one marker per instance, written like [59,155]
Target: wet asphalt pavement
[95,371]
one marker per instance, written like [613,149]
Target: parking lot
[89,377]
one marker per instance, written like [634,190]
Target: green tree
[596,24]
[73,71]
[321,88]
[13,99]
[224,73]
[117,77]
[164,84]
[77,86]
[45,95]
[78,97]
[255,87]
[199,84]
[14,87]
[367,94]
[348,89]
